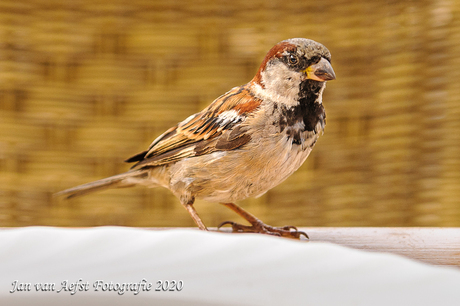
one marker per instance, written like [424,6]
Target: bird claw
[259,227]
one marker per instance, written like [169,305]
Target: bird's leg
[258,226]
[191,210]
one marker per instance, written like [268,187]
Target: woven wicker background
[86,84]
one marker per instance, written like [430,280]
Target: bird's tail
[126,179]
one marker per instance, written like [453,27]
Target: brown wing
[219,127]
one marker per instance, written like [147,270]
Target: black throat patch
[304,116]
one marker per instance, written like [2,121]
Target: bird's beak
[321,71]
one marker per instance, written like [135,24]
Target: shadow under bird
[244,143]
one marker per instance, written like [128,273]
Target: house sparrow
[244,143]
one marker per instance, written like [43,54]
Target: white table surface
[215,269]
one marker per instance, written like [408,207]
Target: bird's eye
[293,60]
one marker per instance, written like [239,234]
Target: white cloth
[214,268]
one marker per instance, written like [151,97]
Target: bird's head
[291,68]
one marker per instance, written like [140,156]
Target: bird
[246,142]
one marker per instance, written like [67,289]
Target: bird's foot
[259,227]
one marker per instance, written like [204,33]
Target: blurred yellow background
[86,84]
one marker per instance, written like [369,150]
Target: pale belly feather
[235,175]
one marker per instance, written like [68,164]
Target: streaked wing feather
[217,128]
